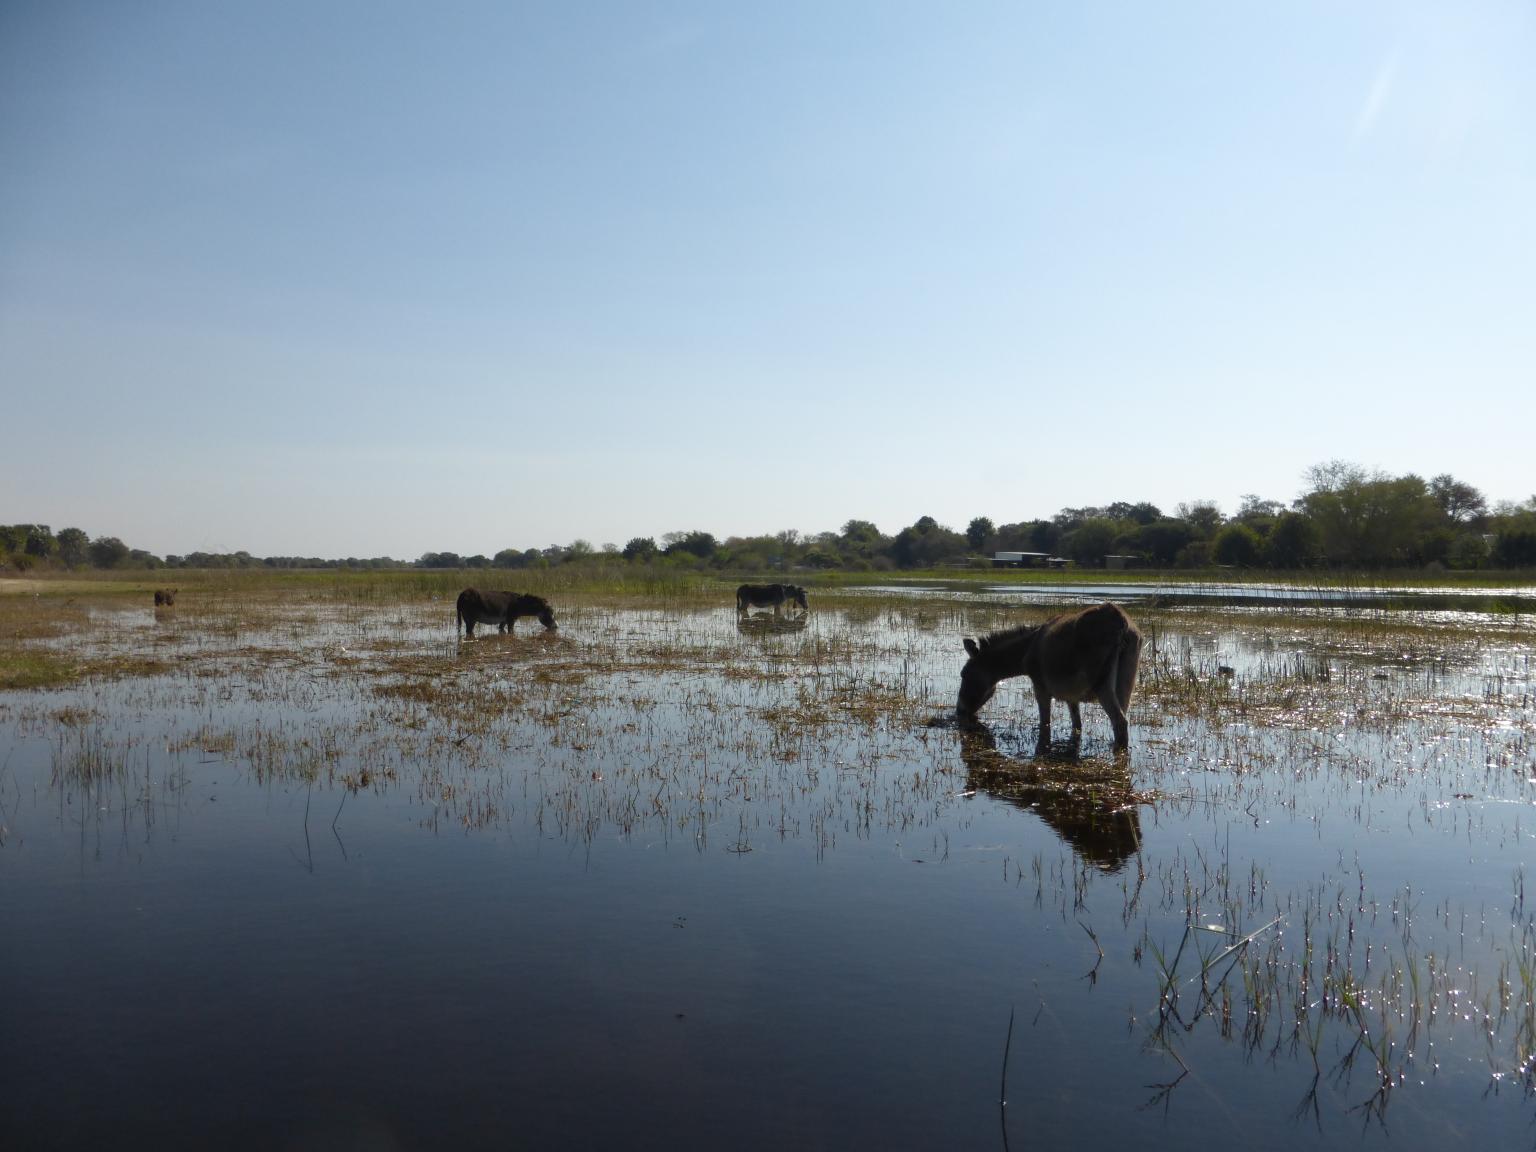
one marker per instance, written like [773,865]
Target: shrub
[1238,545]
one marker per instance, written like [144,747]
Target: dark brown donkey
[774,596]
[501,609]
[1089,654]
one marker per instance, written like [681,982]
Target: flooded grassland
[304,869]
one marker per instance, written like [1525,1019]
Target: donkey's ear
[970,646]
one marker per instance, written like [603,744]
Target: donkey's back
[1078,655]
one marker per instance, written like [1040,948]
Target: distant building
[1028,560]
[1122,561]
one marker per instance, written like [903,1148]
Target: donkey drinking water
[774,596]
[501,609]
[1088,654]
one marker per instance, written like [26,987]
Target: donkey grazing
[1089,654]
[501,609]
[165,597]
[774,596]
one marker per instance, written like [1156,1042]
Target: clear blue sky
[363,278]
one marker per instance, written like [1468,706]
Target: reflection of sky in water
[651,865]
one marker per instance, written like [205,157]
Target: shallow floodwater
[315,874]
[1171,593]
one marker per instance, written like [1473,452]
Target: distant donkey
[165,597]
[1089,654]
[501,609]
[774,596]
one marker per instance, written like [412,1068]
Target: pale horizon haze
[356,278]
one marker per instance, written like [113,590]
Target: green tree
[1029,536]
[978,532]
[74,547]
[108,552]
[1460,503]
[925,544]
[820,558]
[861,542]
[1201,515]
[1294,541]
[1259,514]
[35,540]
[1142,513]
[1090,541]
[1237,545]
[751,552]
[1252,509]
[1468,551]
[1515,548]
[640,548]
[700,544]
[40,542]
[1368,519]
[1163,540]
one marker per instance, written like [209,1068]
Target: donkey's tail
[1126,663]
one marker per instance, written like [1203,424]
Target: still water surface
[327,879]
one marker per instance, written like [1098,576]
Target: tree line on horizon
[1347,518]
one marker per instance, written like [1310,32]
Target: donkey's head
[993,659]
[977,681]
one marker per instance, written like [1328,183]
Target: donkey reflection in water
[501,609]
[1100,823]
[1089,654]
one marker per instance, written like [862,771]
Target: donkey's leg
[1077,721]
[1043,699]
[1110,700]
[1116,695]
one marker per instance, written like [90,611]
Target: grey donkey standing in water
[1087,654]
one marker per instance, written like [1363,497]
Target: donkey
[1088,654]
[774,596]
[165,597]
[501,609]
